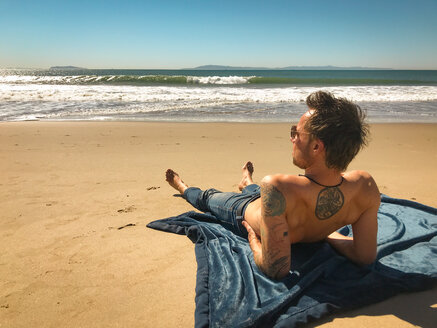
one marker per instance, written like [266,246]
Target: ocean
[210,95]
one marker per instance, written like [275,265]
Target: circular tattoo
[272,199]
[329,202]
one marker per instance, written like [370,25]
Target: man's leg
[246,185]
[247,177]
[176,182]
[193,195]
[224,205]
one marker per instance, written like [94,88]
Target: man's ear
[318,146]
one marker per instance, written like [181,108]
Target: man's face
[302,144]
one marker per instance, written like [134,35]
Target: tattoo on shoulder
[329,201]
[272,199]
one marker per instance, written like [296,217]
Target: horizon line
[228,67]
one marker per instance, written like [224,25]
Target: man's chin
[299,165]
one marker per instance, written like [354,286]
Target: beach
[76,198]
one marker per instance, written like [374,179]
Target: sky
[183,34]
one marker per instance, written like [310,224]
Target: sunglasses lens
[293,131]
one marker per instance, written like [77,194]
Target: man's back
[356,193]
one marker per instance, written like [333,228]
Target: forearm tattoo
[278,266]
[272,199]
[329,201]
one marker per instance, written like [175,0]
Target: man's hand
[254,242]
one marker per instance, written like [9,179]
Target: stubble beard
[300,164]
[303,161]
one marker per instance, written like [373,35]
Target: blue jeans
[227,207]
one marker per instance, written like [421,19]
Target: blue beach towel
[232,292]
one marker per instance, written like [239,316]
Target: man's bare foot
[175,181]
[247,176]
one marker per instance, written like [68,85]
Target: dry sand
[68,188]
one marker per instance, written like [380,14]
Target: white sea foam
[105,93]
[88,79]
[57,101]
[219,79]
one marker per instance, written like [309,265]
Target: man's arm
[361,248]
[272,253]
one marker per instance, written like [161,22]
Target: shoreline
[194,122]
[68,187]
[188,122]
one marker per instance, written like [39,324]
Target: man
[289,209]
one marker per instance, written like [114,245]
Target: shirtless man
[289,209]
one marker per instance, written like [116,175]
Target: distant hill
[240,68]
[230,68]
[67,67]
[330,67]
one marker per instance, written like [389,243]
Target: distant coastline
[303,68]
[248,68]
[66,68]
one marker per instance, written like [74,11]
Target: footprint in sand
[127,209]
[124,226]
[127,225]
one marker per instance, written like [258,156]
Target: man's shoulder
[282,180]
[293,187]
[357,175]
[366,186]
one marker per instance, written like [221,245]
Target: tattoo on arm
[272,199]
[275,261]
[329,201]
[278,266]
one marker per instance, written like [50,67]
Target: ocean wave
[194,94]
[219,79]
[196,102]
[124,79]
[201,80]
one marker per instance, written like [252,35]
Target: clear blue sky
[181,34]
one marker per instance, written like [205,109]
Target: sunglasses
[294,133]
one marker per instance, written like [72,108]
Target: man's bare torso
[302,195]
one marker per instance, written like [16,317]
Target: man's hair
[340,125]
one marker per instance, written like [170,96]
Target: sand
[76,197]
